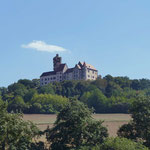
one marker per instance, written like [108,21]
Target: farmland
[111,121]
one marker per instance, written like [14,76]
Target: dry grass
[111,121]
[40,119]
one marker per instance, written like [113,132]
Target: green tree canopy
[139,127]
[116,144]
[95,99]
[47,89]
[15,133]
[75,127]
[17,104]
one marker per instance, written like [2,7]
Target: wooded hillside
[105,95]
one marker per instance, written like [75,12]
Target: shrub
[116,144]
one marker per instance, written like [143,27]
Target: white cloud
[42,46]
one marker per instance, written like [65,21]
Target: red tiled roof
[90,66]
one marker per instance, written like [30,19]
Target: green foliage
[105,95]
[1,101]
[47,89]
[15,133]
[36,83]
[27,83]
[95,99]
[113,89]
[121,144]
[28,96]
[139,127]
[47,103]
[17,89]
[75,127]
[101,84]
[3,91]
[116,144]
[17,105]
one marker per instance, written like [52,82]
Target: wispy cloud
[44,47]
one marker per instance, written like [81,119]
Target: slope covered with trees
[105,95]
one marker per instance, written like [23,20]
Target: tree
[47,103]
[135,84]
[3,91]
[139,127]
[121,144]
[123,82]
[100,84]
[95,99]
[36,83]
[47,89]
[81,87]
[17,89]
[15,133]
[109,78]
[116,144]
[27,83]
[113,89]
[75,127]
[28,96]
[68,88]
[17,104]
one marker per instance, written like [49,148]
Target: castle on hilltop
[81,71]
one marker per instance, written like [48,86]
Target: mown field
[111,121]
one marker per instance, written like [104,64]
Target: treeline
[105,95]
[75,129]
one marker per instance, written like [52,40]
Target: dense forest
[105,95]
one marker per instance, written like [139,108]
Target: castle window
[93,71]
[45,79]
[89,76]
[45,82]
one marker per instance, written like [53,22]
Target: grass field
[111,121]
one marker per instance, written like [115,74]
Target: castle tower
[56,62]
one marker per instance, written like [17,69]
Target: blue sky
[112,35]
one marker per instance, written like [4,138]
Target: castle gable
[81,71]
[70,70]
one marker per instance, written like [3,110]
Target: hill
[105,95]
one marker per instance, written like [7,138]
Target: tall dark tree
[75,127]
[95,99]
[139,127]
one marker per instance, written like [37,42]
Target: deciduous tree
[15,133]
[75,127]
[139,127]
